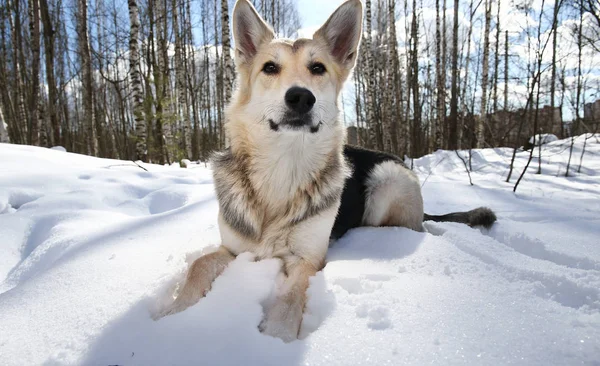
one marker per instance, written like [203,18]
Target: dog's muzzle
[296,124]
[299,102]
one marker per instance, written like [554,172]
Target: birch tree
[370,107]
[484,76]
[141,147]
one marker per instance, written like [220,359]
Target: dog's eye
[317,68]
[270,68]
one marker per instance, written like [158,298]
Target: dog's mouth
[298,124]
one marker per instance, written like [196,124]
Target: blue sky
[313,13]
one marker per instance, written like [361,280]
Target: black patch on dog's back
[352,207]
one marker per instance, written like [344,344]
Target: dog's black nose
[300,100]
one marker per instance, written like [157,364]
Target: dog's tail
[481,216]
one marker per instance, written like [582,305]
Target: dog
[288,184]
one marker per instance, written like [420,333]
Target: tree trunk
[370,107]
[453,142]
[87,84]
[161,80]
[437,129]
[393,70]
[141,146]
[553,70]
[493,122]
[505,106]
[407,120]
[465,108]
[444,126]
[228,64]
[219,82]
[414,31]
[34,32]
[21,114]
[5,100]
[484,76]
[181,94]
[579,85]
[49,36]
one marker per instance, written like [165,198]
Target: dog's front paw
[282,321]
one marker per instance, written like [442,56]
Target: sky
[312,18]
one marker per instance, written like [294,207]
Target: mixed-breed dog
[288,184]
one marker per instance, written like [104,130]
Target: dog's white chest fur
[281,201]
[286,165]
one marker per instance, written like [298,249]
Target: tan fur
[279,192]
[283,318]
[198,281]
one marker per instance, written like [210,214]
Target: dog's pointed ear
[249,31]
[342,32]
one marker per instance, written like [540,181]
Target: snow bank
[89,248]
[543,137]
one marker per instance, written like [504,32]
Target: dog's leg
[283,319]
[199,278]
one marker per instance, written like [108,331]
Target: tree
[370,106]
[580,44]
[141,146]
[226,39]
[394,79]
[34,29]
[49,50]
[414,77]
[484,77]
[87,85]
[496,63]
[453,142]
[437,129]
[553,66]
[18,61]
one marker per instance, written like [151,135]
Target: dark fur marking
[274,126]
[315,129]
[226,164]
[481,216]
[352,207]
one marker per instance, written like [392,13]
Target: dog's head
[291,87]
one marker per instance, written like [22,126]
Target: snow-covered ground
[89,248]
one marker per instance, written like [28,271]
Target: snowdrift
[90,247]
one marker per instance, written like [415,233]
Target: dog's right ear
[249,31]
[342,32]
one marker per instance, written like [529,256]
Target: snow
[544,137]
[90,248]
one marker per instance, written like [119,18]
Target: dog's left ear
[342,32]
